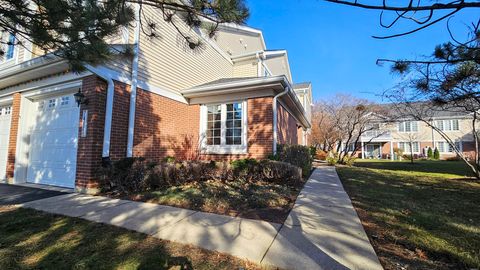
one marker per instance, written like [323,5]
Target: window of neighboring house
[10,47]
[405,146]
[224,127]
[445,147]
[408,126]
[351,147]
[447,125]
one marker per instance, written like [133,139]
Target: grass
[420,216]
[257,200]
[31,239]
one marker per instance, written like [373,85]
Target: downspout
[133,87]
[275,120]
[108,112]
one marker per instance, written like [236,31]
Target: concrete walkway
[321,232]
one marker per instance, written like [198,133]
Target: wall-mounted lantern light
[80,98]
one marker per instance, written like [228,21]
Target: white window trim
[448,145]
[451,125]
[223,148]
[407,152]
[404,127]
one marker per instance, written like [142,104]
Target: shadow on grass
[435,220]
[31,239]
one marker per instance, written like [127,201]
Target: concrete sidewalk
[323,230]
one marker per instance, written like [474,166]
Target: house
[227,99]
[384,136]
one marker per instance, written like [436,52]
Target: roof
[226,86]
[225,81]
[423,108]
[302,85]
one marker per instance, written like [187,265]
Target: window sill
[225,150]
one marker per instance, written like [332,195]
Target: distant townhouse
[409,136]
[232,98]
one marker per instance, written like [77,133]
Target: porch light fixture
[80,98]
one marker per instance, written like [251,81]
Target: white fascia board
[229,85]
[30,64]
[246,56]
[45,83]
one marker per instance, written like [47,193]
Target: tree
[324,134]
[79,30]
[349,119]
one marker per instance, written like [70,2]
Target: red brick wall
[121,112]
[12,144]
[164,127]
[89,155]
[287,127]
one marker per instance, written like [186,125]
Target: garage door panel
[5,120]
[53,142]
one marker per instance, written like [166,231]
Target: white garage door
[53,142]
[5,118]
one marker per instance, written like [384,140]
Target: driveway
[10,194]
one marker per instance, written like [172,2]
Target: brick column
[12,142]
[89,154]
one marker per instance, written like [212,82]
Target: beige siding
[248,68]
[168,62]
[425,133]
[278,66]
[238,42]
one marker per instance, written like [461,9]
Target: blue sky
[331,45]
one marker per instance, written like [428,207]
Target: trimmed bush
[134,175]
[430,153]
[297,155]
[436,154]
[332,159]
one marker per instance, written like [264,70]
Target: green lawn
[257,200]
[31,239]
[424,215]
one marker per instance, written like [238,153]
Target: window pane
[234,124]
[237,140]
[455,124]
[11,47]
[401,127]
[214,125]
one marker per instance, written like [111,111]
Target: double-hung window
[445,147]
[408,126]
[405,146]
[223,128]
[447,125]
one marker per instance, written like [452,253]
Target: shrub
[321,155]
[455,158]
[332,159]
[430,153]
[436,154]
[280,172]
[297,155]
[133,175]
[350,160]
[313,151]
[169,159]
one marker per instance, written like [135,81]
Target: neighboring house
[230,98]
[385,136]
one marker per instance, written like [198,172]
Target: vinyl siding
[238,43]
[246,68]
[278,66]
[168,62]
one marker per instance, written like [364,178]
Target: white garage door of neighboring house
[52,151]
[5,118]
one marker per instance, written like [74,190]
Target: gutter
[133,87]
[108,111]
[275,120]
